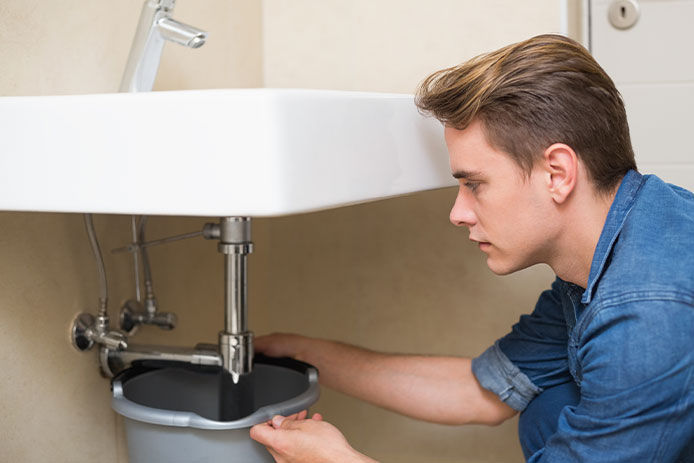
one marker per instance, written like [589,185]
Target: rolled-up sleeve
[531,357]
[497,373]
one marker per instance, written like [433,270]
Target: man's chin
[501,268]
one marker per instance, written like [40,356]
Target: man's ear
[561,167]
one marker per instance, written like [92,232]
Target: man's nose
[462,213]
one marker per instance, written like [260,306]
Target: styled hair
[531,94]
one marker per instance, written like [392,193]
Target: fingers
[281,422]
[280,345]
[275,438]
[261,343]
[298,416]
[262,433]
[293,439]
[265,433]
[277,420]
[274,345]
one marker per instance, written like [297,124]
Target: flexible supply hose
[145,257]
[136,259]
[101,270]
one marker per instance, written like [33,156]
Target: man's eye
[472,186]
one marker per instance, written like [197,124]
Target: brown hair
[531,94]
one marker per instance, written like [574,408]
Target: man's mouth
[482,244]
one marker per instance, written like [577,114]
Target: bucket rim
[158,416]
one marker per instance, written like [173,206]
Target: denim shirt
[627,340]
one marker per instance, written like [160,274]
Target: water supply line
[100,268]
[134,312]
[136,258]
[86,329]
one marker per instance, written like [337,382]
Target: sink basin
[230,152]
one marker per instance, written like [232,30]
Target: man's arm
[437,389]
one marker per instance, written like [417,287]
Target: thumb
[264,434]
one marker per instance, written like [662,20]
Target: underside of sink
[235,152]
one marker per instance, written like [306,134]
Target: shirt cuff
[498,374]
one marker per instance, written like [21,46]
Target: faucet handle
[114,340]
[132,315]
[88,330]
[165,4]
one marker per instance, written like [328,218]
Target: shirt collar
[621,205]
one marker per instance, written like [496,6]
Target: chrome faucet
[155,27]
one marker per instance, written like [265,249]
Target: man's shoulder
[654,251]
[656,188]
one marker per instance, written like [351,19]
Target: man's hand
[279,345]
[295,439]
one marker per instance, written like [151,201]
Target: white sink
[240,152]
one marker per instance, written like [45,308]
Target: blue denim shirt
[627,340]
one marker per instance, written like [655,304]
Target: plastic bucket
[186,414]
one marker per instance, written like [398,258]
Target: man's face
[507,213]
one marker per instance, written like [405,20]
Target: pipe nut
[237,352]
[236,248]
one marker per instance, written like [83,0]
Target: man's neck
[584,220]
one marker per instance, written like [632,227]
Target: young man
[603,369]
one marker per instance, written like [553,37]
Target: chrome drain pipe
[235,342]
[113,361]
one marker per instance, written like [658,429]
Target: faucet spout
[180,33]
[155,27]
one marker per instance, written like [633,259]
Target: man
[603,369]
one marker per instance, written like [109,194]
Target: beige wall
[388,45]
[391,275]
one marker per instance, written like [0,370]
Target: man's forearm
[437,389]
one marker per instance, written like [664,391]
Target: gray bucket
[186,414]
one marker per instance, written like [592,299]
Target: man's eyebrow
[466,174]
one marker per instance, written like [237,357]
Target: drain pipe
[235,342]
[234,352]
